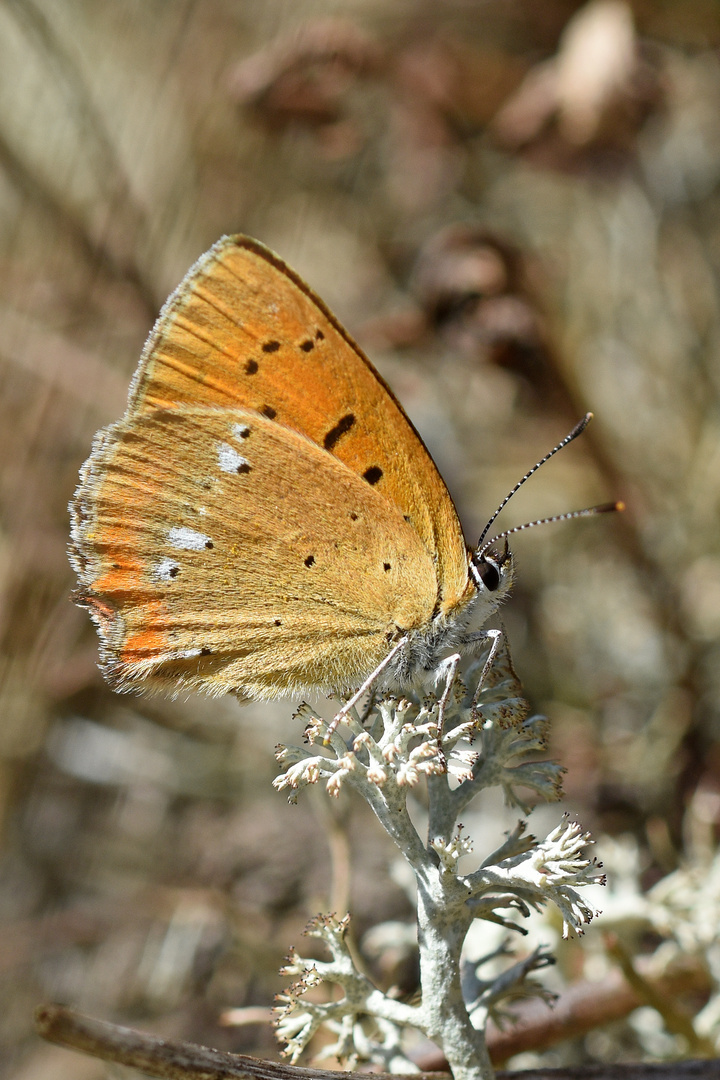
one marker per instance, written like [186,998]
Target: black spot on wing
[271,346]
[373,474]
[251,367]
[267,410]
[310,560]
[307,346]
[343,425]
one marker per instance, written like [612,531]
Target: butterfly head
[492,572]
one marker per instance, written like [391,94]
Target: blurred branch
[161,1057]
[676,1019]
[586,1006]
[108,243]
[180,1060]
[40,31]
[54,359]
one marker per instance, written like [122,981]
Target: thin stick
[158,1057]
[186,1061]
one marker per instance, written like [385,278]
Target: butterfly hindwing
[221,550]
[243,329]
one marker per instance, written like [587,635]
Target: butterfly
[264,519]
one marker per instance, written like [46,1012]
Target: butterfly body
[265,520]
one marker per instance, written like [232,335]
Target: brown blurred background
[515,207]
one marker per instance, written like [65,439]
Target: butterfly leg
[352,702]
[496,636]
[446,670]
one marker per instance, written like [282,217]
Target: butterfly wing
[218,549]
[243,329]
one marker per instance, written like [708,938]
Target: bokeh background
[515,208]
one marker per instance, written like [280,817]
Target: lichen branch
[486,738]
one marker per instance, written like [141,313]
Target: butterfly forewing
[243,329]
[218,549]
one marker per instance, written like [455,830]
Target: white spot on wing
[182,654]
[228,458]
[188,539]
[163,570]
[240,431]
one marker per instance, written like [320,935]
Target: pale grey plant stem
[442,814]
[442,926]
[443,917]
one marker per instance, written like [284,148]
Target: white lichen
[484,739]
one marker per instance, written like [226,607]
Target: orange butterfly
[264,519]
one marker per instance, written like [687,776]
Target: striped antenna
[604,508]
[577,430]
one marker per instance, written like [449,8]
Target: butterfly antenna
[577,430]
[604,508]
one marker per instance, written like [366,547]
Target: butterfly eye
[489,574]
